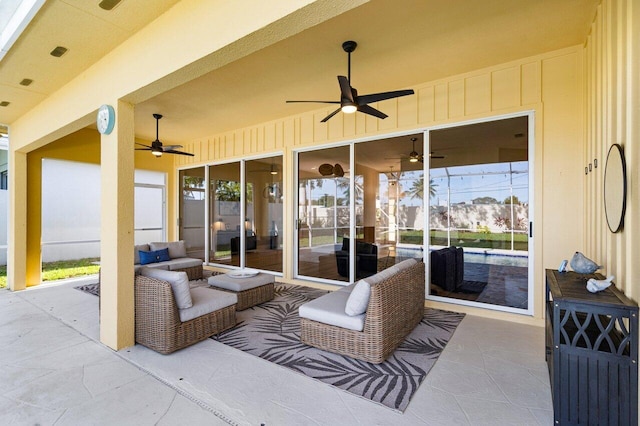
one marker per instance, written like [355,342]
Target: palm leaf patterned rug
[272,331]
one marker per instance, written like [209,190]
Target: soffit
[89,33]
[399,45]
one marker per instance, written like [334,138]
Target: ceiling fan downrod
[349,46]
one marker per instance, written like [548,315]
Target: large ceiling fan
[349,101]
[157,148]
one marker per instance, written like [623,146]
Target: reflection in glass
[323,213]
[191,211]
[263,215]
[224,209]
[479,213]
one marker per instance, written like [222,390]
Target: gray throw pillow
[177,249]
[179,284]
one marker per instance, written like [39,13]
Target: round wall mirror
[615,188]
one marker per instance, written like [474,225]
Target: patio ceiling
[398,47]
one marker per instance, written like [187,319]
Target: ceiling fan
[157,148]
[414,157]
[327,169]
[349,101]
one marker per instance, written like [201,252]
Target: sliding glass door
[245,222]
[479,208]
[323,214]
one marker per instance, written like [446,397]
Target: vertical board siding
[477,99]
[608,102]
[505,88]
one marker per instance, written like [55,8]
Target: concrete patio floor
[54,370]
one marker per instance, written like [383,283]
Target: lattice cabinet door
[592,352]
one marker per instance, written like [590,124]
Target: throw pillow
[147,257]
[358,299]
[176,248]
[136,249]
[179,284]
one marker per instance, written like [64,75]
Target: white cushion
[358,299]
[329,309]
[205,301]
[136,249]
[240,284]
[185,262]
[176,248]
[179,284]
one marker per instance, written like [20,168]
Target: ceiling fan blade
[377,97]
[173,151]
[141,144]
[324,120]
[372,111]
[314,102]
[166,147]
[144,149]
[345,88]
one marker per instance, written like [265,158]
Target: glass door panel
[264,212]
[323,213]
[479,212]
[389,210]
[224,209]
[191,211]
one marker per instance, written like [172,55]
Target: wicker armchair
[396,306]
[157,320]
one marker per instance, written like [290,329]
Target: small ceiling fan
[414,156]
[349,101]
[327,169]
[157,148]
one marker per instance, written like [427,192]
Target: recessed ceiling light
[58,51]
[109,4]
[4,103]
[26,81]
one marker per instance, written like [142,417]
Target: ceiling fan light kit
[157,148]
[349,101]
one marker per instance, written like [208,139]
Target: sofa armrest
[155,306]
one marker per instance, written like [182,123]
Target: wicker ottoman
[251,290]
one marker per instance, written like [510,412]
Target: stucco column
[116,247]
[17,232]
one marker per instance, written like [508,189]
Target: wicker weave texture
[395,307]
[158,324]
[193,272]
[251,297]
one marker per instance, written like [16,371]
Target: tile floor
[53,370]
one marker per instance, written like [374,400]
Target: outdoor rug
[272,331]
[90,288]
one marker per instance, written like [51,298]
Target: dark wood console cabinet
[592,352]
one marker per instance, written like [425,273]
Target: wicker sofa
[169,317]
[178,258]
[394,307]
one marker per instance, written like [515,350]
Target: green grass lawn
[59,270]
